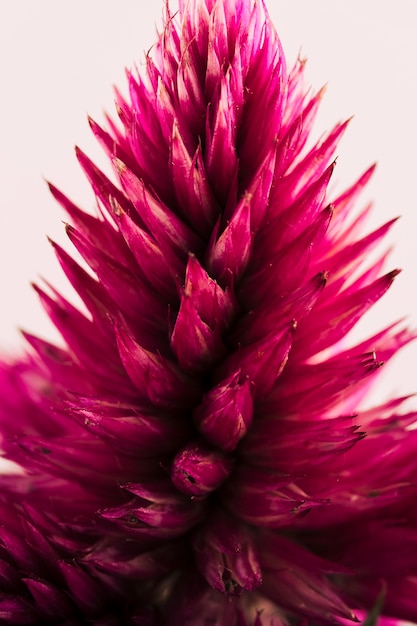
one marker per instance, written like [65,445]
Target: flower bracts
[196,452]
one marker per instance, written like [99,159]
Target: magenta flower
[197,453]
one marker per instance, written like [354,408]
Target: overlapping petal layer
[197,453]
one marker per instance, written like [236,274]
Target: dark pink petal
[160,266]
[335,320]
[198,469]
[251,360]
[322,385]
[98,231]
[193,191]
[155,378]
[56,457]
[344,204]
[296,305]
[228,253]
[283,230]
[112,147]
[9,577]
[23,556]
[129,292]
[194,343]
[50,601]
[227,555]
[190,91]
[79,333]
[339,263]
[266,498]
[265,98]
[85,589]
[129,430]
[226,412]
[285,272]
[98,303]
[124,559]
[272,441]
[38,541]
[297,133]
[215,306]
[258,191]
[220,157]
[60,365]
[290,188]
[164,225]
[15,610]
[104,189]
[161,520]
[300,587]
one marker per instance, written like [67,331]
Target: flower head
[197,453]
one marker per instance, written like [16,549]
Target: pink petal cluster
[197,453]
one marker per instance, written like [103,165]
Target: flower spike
[198,451]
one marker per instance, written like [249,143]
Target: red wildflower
[197,453]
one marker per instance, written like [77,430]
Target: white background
[59,58]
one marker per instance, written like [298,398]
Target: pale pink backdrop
[58,61]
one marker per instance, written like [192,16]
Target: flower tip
[369,172]
[330,210]
[69,230]
[24,333]
[47,182]
[118,107]
[81,157]
[301,60]
[321,92]
[393,274]
[53,190]
[92,124]
[119,166]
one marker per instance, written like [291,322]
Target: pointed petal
[226,412]
[155,378]
[227,555]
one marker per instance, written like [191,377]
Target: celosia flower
[197,453]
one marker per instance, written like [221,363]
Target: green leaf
[375,612]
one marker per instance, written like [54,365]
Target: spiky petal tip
[197,453]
